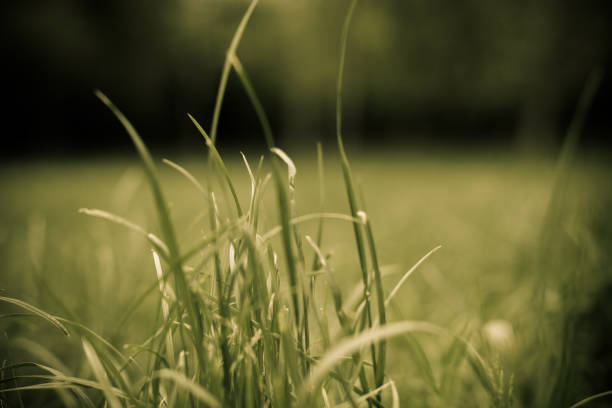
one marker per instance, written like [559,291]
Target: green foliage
[238,327]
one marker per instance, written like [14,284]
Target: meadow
[486,210]
[302,278]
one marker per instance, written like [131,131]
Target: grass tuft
[235,326]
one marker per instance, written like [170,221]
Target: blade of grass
[259,110]
[100,374]
[346,169]
[308,217]
[185,383]
[420,359]
[591,398]
[227,66]
[395,395]
[321,174]
[186,174]
[32,309]
[380,361]
[167,228]
[155,241]
[348,180]
[353,344]
[407,274]
[214,153]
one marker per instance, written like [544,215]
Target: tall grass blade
[227,66]
[100,374]
[567,154]
[380,360]
[167,228]
[259,110]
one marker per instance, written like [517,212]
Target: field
[429,278]
[487,211]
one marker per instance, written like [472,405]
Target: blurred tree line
[475,71]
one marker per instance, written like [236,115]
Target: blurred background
[432,73]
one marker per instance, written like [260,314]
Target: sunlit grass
[484,210]
[215,293]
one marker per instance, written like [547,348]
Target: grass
[228,300]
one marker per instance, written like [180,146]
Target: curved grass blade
[395,395]
[308,217]
[421,360]
[100,374]
[151,172]
[86,332]
[367,396]
[48,317]
[407,274]
[41,352]
[354,344]
[194,389]
[185,173]
[154,240]
[212,238]
[591,398]
[219,161]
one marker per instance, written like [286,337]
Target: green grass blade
[365,397]
[353,344]
[250,90]
[100,374]
[347,174]
[321,174]
[154,240]
[151,172]
[284,207]
[591,398]
[333,285]
[407,274]
[227,66]
[395,401]
[380,361]
[567,154]
[32,309]
[41,352]
[190,386]
[219,161]
[420,359]
[166,226]
[309,217]
[87,332]
[186,174]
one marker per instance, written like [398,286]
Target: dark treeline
[441,72]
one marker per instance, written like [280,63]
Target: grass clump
[243,314]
